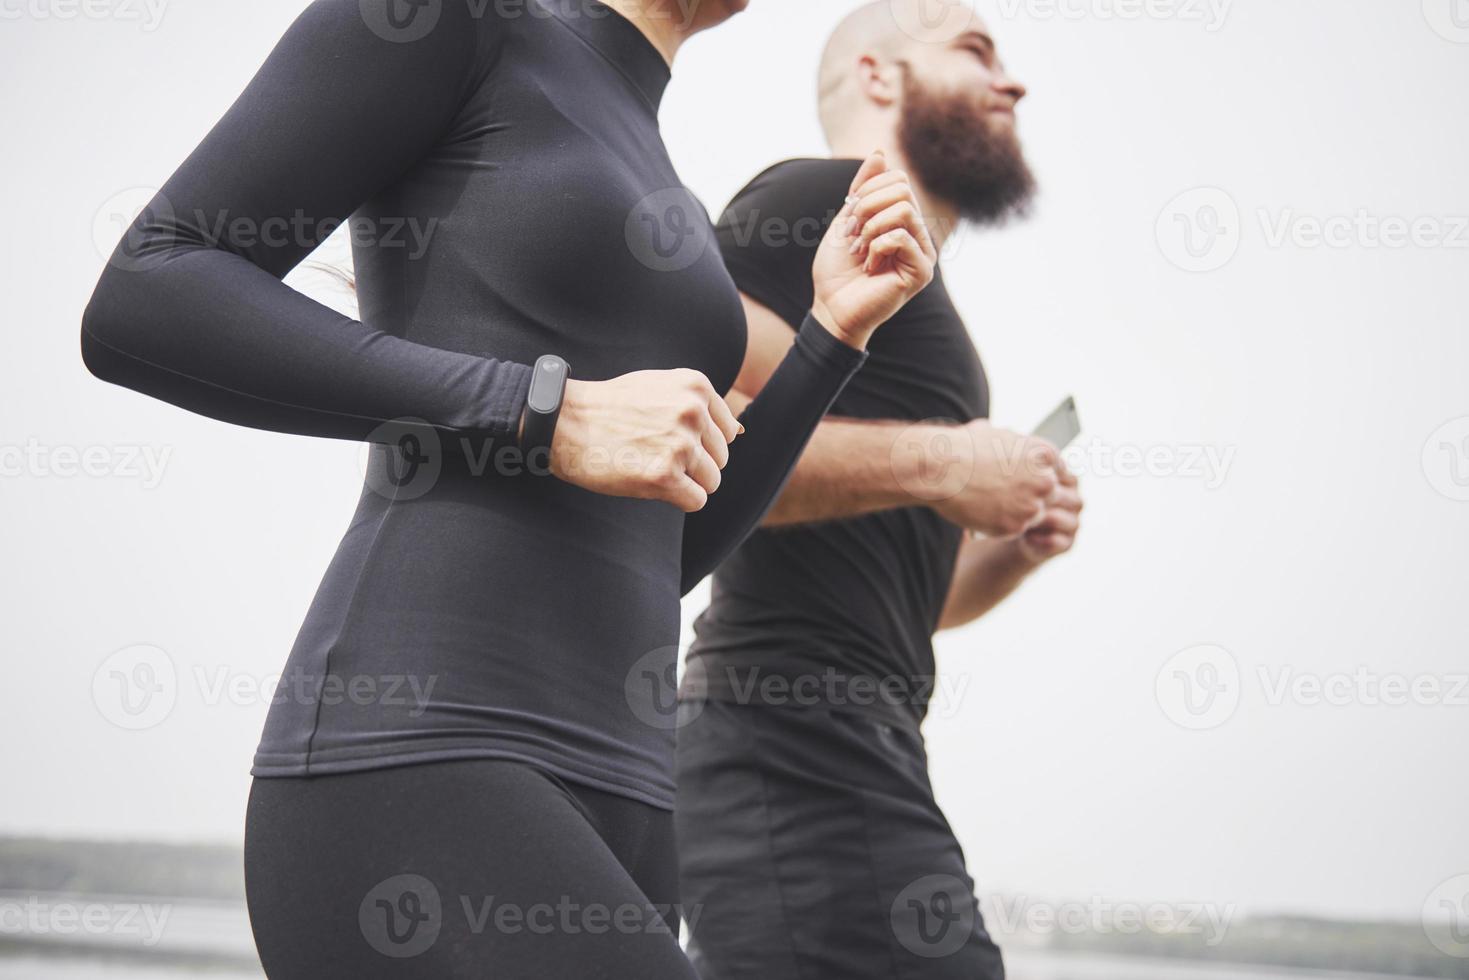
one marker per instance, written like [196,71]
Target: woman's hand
[876,256]
[655,435]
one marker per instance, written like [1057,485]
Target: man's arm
[975,475]
[990,569]
[987,572]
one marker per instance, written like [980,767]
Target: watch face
[546,385]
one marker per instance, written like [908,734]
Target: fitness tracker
[542,409]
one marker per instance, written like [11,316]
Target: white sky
[1328,546]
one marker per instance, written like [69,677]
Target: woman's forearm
[778,425]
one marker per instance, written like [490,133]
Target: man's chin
[1004,127]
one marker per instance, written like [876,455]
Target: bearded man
[810,843]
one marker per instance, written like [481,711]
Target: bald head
[923,80]
[886,31]
[869,30]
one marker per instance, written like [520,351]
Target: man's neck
[941,217]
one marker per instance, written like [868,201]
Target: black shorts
[810,846]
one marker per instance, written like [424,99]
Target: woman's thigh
[463,869]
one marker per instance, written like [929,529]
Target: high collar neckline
[619,41]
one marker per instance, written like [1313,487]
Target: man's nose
[1009,86]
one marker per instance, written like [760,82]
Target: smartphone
[1062,426]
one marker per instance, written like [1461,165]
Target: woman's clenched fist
[655,435]
[875,257]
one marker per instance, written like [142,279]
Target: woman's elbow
[120,325]
[104,329]
[132,295]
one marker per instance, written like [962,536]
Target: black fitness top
[471,610]
[798,612]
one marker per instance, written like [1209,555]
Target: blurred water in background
[85,910]
[1026,965]
[79,968]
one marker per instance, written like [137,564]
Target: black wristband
[542,409]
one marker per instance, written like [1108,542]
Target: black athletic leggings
[445,869]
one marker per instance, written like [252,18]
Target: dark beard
[957,155]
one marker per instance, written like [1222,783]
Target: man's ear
[878,81]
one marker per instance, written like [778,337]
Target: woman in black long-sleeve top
[475,713]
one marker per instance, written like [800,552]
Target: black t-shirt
[826,611]
[512,197]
